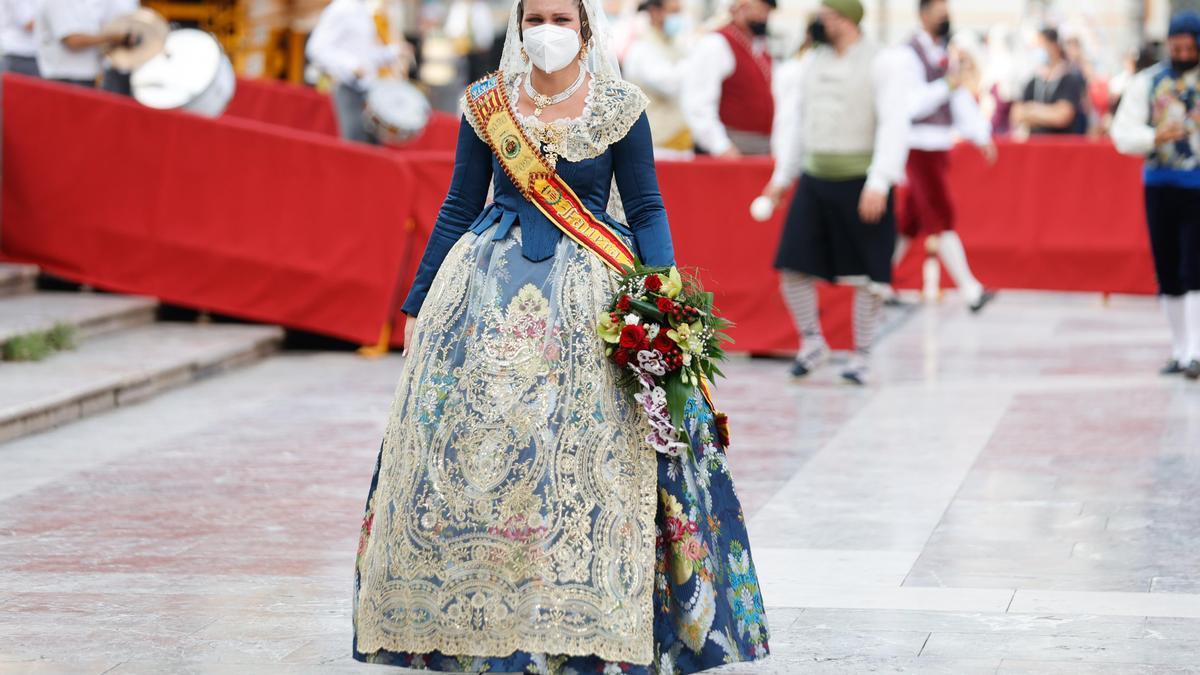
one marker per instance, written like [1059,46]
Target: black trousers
[1174,217]
[25,65]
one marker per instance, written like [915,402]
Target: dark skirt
[825,237]
[708,610]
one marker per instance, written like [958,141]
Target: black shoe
[809,360]
[855,371]
[983,301]
[1192,372]
[1173,367]
[855,377]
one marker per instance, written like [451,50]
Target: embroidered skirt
[517,520]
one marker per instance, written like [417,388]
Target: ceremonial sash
[536,180]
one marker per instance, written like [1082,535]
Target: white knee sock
[868,314]
[903,243]
[954,257]
[800,294]
[1191,312]
[1173,307]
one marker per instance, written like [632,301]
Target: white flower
[651,360]
[652,330]
[632,319]
[687,358]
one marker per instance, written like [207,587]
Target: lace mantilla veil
[601,61]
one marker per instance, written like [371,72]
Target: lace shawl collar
[612,108]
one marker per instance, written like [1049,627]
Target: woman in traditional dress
[519,520]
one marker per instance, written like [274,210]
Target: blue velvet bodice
[630,160]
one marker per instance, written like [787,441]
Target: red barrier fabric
[305,109]
[283,104]
[1051,214]
[231,216]
[257,220]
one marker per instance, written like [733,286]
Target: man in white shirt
[17,41]
[70,38]
[345,44]
[654,62]
[942,112]
[727,85]
[852,120]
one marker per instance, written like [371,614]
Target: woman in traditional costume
[520,519]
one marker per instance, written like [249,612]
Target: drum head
[189,63]
[399,106]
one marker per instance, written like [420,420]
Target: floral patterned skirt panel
[517,520]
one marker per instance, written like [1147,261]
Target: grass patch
[40,345]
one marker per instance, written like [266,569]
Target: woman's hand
[410,324]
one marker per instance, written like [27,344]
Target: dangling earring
[583,52]
[524,55]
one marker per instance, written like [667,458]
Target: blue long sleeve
[633,164]
[464,202]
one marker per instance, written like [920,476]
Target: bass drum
[396,111]
[191,73]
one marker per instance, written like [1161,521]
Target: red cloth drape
[306,109]
[228,215]
[265,222]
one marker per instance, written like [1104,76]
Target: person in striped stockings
[850,137]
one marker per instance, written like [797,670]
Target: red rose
[623,303]
[675,529]
[621,356]
[653,283]
[663,343]
[632,336]
[666,305]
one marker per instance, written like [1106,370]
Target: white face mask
[551,48]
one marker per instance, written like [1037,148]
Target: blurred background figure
[850,140]
[785,81]
[1054,100]
[116,80]
[17,41]
[654,61]
[943,109]
[1159,118]
[999,80]
[345,45]
[727,97]
[70,37]
[470,25]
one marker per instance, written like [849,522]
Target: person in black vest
[942,112]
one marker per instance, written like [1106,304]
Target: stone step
[123,368]
[91,314]
[16,278]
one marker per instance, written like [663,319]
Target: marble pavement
[1016,493]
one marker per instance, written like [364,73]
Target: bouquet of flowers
[662,331]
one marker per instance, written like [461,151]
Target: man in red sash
[726,98]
